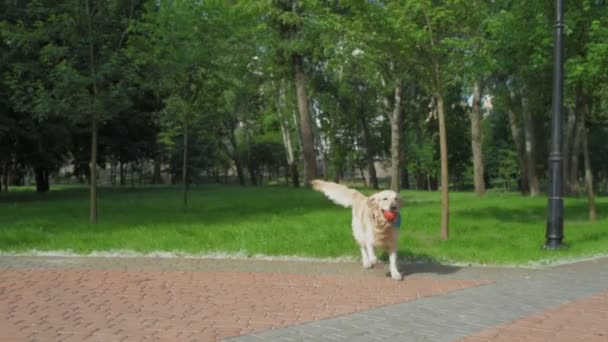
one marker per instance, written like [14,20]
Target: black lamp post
[555,213]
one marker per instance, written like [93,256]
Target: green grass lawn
[501,228]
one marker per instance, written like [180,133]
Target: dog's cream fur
[370,228]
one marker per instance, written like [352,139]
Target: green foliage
[224,69]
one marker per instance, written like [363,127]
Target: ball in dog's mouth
[390,215]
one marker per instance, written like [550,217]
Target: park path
[182,299]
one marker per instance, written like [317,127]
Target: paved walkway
[133,299]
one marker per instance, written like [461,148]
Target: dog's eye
[385,198]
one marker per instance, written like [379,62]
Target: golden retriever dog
[370,227]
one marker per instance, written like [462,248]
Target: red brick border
[112,305]
[584,320]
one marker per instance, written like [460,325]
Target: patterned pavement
[181,299]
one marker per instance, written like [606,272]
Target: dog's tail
[339,194]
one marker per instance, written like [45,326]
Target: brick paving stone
[583,320]
[514,294]
[57,304]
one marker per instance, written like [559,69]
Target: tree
[291,22]
[439,19]
[583,78]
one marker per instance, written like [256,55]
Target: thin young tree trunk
[4,178]
[576,146]
[93,169]
[516,134]
[445,185]
[123,177]
[396,141]
[132,175]
[140,172]
[476,140]
[589,179]
[568,148]
[363,176]
[239,172]
[185,165]
[605,176]
[405,176]
[291,160]
[530,149]
[369,153]
[443,144]
[574,160]
[156,179]
[94,124]
[236,156]
[308,144]
[112,173]
[587,162]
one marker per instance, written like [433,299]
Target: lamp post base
[554,244]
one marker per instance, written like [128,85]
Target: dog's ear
[372,200]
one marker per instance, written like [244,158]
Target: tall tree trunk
[587,162]
[369,153]
[308,143]
[185,165]
[445,182]
[476,140]
[530,149]
[396,141]
[42,179]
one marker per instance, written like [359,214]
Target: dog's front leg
[371,254]
[365,259]
[395,274]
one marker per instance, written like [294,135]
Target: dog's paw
[373,261]
[396,275]
[367,264]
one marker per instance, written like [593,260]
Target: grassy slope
[499,229]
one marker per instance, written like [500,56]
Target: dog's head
[386,200]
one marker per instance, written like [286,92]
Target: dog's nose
[393,208]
